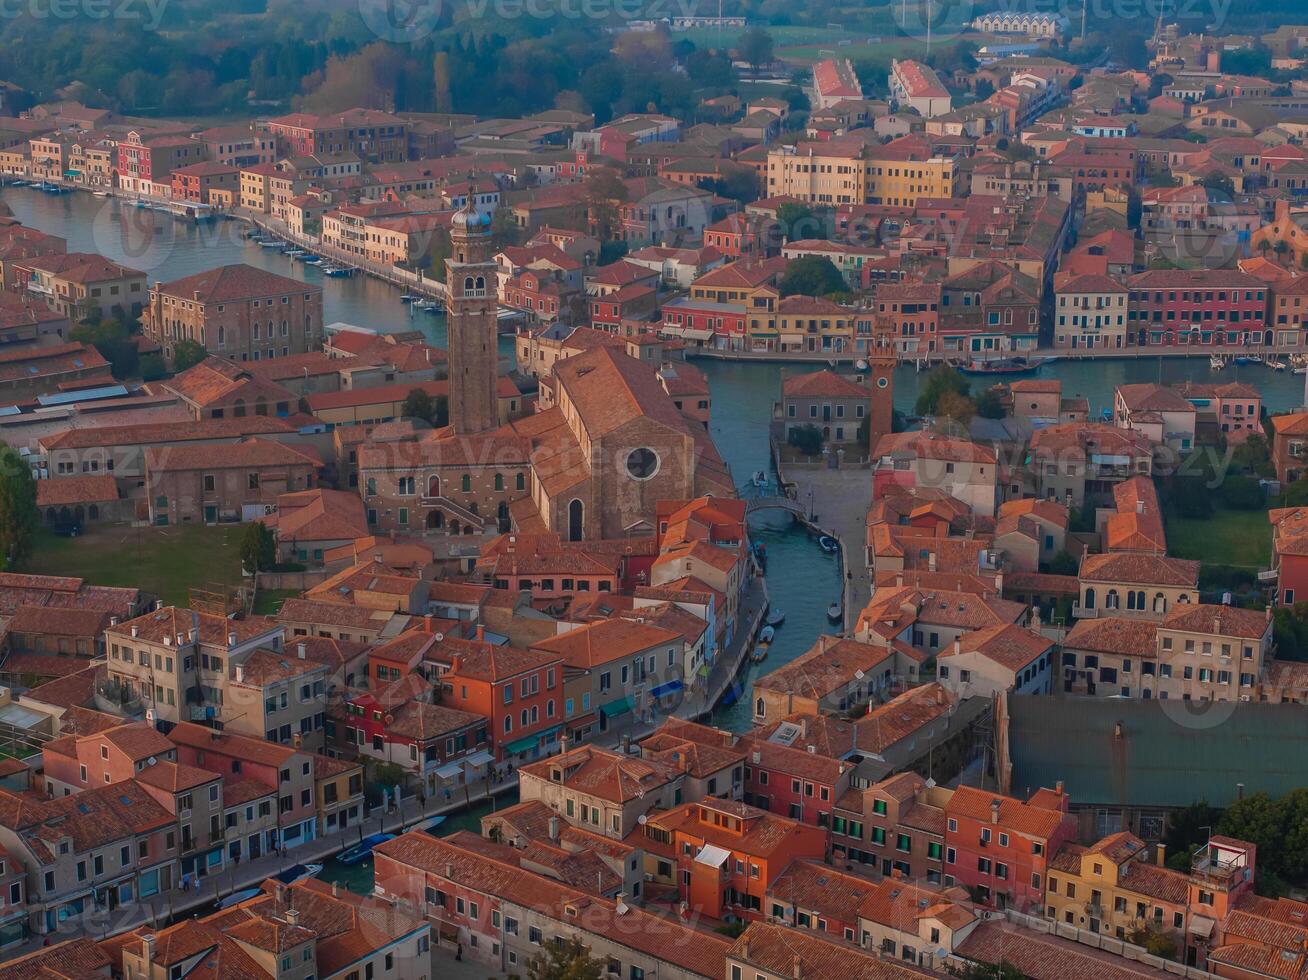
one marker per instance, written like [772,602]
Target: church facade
[591,465]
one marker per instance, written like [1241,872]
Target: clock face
[883,382]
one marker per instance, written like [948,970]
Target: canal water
[358,877]
[802,580]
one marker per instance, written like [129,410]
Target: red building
[536,294]
[520,691]
[632,302]
[744,236]
[725,855]
[700,320]
[155,158]
[1290,553]
[999,847]
[1182,307]
[793,782]
[910,312]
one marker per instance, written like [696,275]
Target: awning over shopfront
[479,758]
[615,708]
[450,770]
[667,687]
[525,744]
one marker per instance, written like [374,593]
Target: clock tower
[881,359]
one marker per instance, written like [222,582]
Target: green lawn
[1229,537]
[267,602]
[165,561]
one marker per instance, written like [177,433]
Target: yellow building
[852,172]
[809,323]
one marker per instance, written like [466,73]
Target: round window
[642,463]
[882,382]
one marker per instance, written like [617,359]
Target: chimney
[336,889]
[147,941]
[1139,506]
[554,828]
[481,633]
[449,871]
[231,640]
[292,917]
[1160,855]
[796,970]
[994,811]
[299,650]
[958,645]
[135,630]
[1058,787]
[240,673]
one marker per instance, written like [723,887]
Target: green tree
[1220,183]
[1062,564]
[1253,456]
[799,221]
[604,192]
[988,405]
[258,548]
[957,406]
[1156,942]
[18,517]
[187,354]
[941,379]
[811,275]
[564,959]
[418,405]
[1003,970]
[1260,820]
[1189,828]
[806,438]
[152,367]
[755,47]
[114,342]
[441,78]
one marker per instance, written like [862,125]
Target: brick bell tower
[471,309]
[881,360]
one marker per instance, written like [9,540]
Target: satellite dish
[642,819]
[438,637]
[151,761]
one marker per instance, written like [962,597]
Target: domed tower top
[469,221]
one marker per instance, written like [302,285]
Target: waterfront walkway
[101,923]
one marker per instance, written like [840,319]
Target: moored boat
[361,851]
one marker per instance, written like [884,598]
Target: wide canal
[801,579]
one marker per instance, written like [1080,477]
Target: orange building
[723,856]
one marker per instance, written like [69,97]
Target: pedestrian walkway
[100,923]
